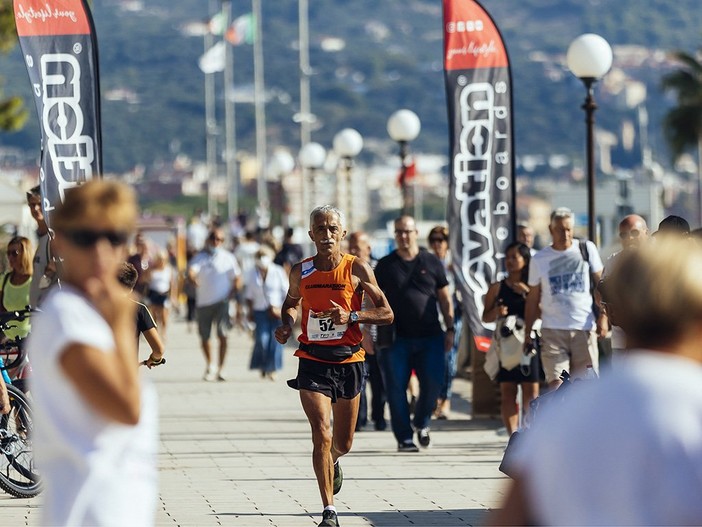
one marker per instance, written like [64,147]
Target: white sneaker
[210,374]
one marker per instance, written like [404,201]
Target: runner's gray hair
[327,209]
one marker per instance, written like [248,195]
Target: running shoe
[329,519]
[407,446]
[338,477]
[423,437]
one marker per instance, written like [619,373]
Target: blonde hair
[24,259]
[656,292]
[161,258]
[94,201]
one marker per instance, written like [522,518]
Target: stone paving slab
[239,453]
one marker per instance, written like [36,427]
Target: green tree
[13,114]
[682,125]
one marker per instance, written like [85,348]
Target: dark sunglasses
[88,238]
[631,234]
[437,240]
[14,252]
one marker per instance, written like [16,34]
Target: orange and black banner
[59,46]
[481,208]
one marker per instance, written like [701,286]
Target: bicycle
[13,356]
[18,475]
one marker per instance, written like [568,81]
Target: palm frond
[682,125]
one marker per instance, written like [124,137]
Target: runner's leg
[345,414]
[318,407]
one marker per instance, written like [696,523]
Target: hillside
[391,59]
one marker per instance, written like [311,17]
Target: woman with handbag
[265,288]
[504,304]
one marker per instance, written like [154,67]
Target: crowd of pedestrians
[365,322]
[626,449]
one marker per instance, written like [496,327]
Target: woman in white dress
[95,435]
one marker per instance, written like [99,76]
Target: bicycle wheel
[18,476]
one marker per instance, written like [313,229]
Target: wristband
[452,329]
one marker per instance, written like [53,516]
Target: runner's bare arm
[289,308]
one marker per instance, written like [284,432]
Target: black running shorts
[336,381]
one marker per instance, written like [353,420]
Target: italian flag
[242,30]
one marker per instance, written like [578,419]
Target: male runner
[330,288]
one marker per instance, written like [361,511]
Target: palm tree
[682,125]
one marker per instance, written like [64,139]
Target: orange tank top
[318,289]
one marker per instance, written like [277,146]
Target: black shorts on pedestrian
[157,299]
[336,381]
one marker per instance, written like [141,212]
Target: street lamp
[282,163]
[403,126]
[347,144]
[589,58]
[312,157]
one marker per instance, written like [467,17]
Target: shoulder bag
[509,334]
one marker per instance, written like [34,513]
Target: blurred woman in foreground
[95,423]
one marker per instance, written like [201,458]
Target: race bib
[321,329]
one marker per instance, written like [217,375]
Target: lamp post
[312,157]
[281,164]
[404,126]
[589,58]
[347,144]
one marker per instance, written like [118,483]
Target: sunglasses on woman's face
[86,238]
[437,240]
[14,252]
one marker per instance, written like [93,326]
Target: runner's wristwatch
[353,317]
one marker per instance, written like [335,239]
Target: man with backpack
[561,279]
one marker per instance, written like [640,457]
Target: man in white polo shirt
[559,277]
[216,274]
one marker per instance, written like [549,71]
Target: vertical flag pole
[230,120]
[210,129]
[259,103]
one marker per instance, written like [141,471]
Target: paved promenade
[238,453]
